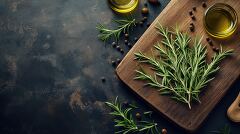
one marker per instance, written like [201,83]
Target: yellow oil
[220,23]
[123,6]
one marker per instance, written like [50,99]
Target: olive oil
[123,6]
[220,21]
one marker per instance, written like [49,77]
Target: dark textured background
[51,64]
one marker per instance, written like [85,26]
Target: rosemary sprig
[126,123]
[225,130]
[183,70]
[124,26]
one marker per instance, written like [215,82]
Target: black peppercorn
[129,45]
[118,61]
[190,13]
[194,8]
[210,42]
[135,39]
[191,27]
[122,51]
[208,39]
[148,24]
[118,48]
[125,41]
[113,63]
[204,5]
[103,79]
[138,116]
[114,44]
[193,17]
[217,49]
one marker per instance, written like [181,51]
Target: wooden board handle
[234,110]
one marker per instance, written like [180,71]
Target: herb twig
[124,26]
[182,69]
[127,124]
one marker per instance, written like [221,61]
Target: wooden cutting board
[176,13]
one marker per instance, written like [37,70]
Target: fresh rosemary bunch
[127,124]
[124,26]
[183,70]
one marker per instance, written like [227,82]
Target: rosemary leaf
[106,33]
[182,70]
[125,122]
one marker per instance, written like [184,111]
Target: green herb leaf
[125,122]
[182,70]
[106,33]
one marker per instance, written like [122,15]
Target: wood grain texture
[176,13]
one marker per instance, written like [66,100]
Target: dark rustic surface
[51,65]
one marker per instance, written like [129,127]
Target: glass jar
[220,20]
[123,6]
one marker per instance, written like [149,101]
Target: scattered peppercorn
[148,24]
[210,42]
[194,8]
[216,49]
[190,13]
[129,45]
[113,63]
[193,17]
[138,116]
[145,10]
[191,28]
[135,39]
[114,44]
[118,60]
[164,131]
[118,48]
[141,23]
[121,50]
[204,5]
[103,79]
[126,41]
[208,39]
[126,35]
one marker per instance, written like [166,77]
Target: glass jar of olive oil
[123,6]
[220,20]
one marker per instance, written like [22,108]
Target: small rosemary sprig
[126,123]
[183,70]
[124,26]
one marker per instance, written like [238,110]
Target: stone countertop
[51,65]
